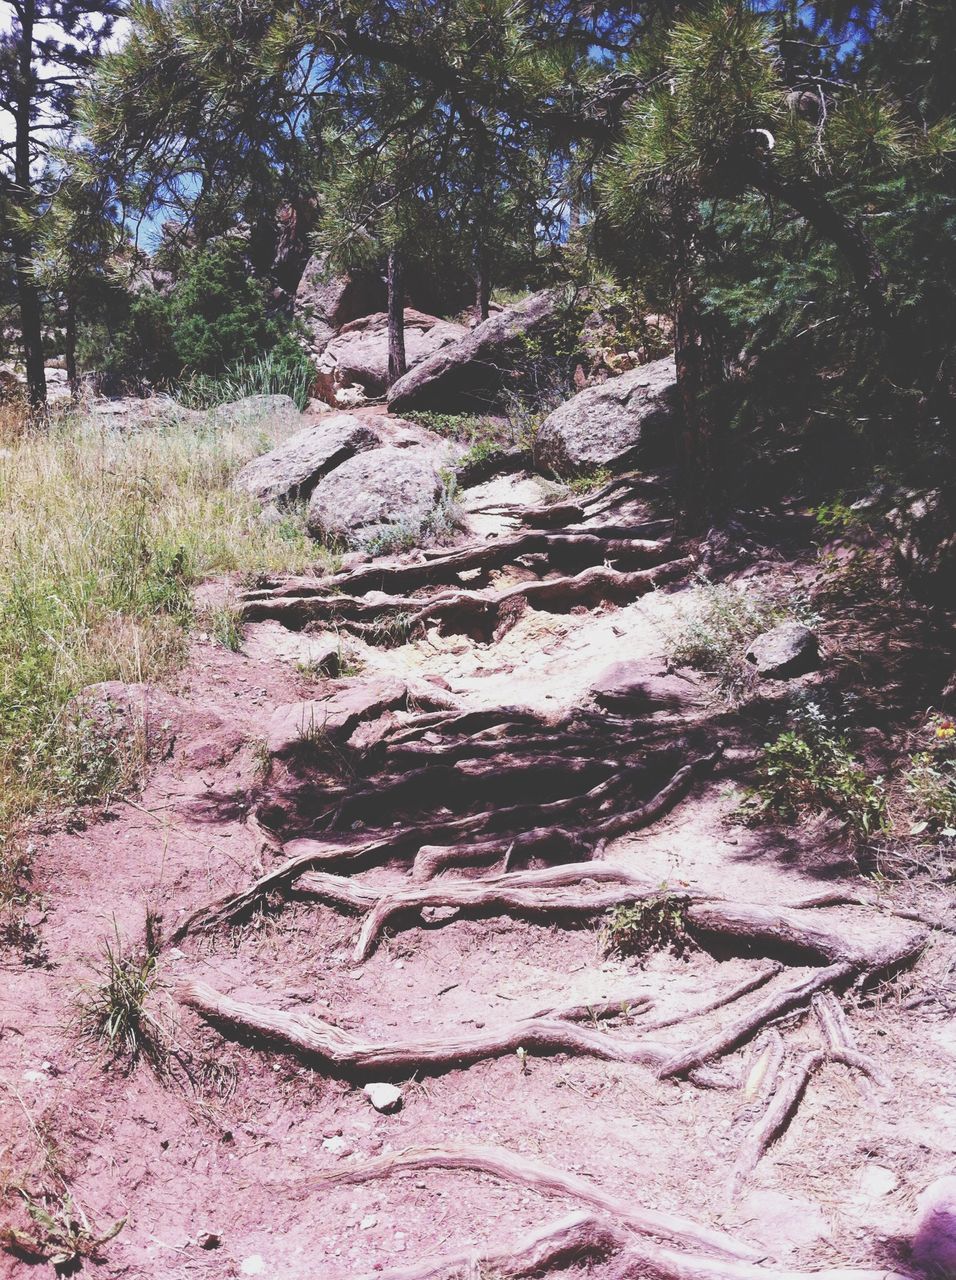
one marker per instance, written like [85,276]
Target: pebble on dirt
[383,1097]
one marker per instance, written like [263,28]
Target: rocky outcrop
[475,369]
[325,302]
[788,650]
[357,359]
[605,425]
[293,468]
[387,488]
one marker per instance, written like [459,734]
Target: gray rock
[788,650]
[373,491]
[934,1240]
[632,686]
[358,355]
[293,468]
[477,367]
[294,725]
[604,426]
[383,1097]
[324,302]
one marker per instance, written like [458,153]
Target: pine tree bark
[482,283]
[72,376]
[397,363]
[31,319]
[699,372]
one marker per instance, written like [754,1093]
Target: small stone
[383,1097]
[791,649]
[438,915]
[209,1240]
[934,1241]
[254,1265]
[368,1222]
[876,1180]
[336,1146]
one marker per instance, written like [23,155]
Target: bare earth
[220,1166]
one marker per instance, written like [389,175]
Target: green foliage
[655,924]
[713,630]
[286,370]
[225,624]
[812,767]
[930,784]
[113,1010]
[60,1234]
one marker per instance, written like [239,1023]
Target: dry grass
[104,531]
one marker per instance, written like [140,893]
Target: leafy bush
[655,924]
[811,767]
[713,632]
[286,370]
[929,782]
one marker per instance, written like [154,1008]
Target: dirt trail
[562,1112]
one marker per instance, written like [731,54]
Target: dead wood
[463,610]
[498,1162]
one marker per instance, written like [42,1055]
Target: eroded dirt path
[497,776]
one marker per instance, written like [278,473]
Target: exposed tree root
[575,1238]
[498,1162]
[463,610]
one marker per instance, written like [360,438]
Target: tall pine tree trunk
[397,363]
[482,282]
[72,376]
[31,322]
[699,372]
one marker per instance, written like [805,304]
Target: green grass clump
[273,374]
[113,1010]
[656,924]
[810,768]
[716,625]
[104,531]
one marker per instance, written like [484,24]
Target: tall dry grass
[104,531]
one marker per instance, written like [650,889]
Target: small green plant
[929,782]
[655,924]
[61,1233]
[225,625]
[113,1011]
[595,479]
[280,372]
[811,767]
[713,631]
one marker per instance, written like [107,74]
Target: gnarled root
[498,1162]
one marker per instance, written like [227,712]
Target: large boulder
[358,356]
[294,468]
[605,425]
[324,302]
[785,651]
[385,489]
[475,369]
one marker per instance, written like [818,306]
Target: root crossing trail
[405,865]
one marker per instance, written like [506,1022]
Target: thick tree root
[462,611]
[611,1228]
[498,1162]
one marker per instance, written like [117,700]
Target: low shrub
[656,924]
[714,629]
[811,767]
